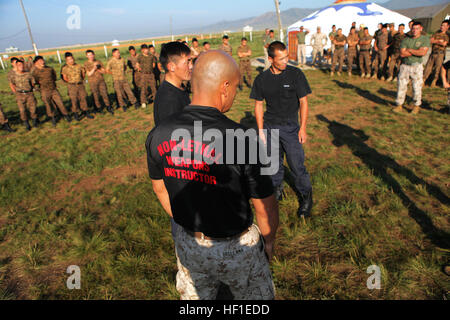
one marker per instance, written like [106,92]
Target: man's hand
[268,248]
[302,136]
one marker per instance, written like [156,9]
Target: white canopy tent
[342,13]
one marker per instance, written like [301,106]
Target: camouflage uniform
[24,93]
[381,55]
[352,51]
[364,55]
[132,60]
[339,52]
[395,58]
[227,48]
[46,79]
[97,84]
[245,66]
[75,87]
[147,77]
[437,56]
[117,67]
[3,118]
[243,267]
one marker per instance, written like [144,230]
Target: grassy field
[79,194]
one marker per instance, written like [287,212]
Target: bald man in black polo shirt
[285,90]
[208,194]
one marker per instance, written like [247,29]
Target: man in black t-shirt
[285,90]
[171,97]
[207,192]
[445,75]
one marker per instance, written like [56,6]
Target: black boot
[76,116]
[124,108]
[68,118]
[89,115]
[110,110]
[6,127]
[306,203]
[54,121]
[27,125]
[136,105]
[35,123]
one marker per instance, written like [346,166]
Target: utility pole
[171,30]
[29,29]
[277,7]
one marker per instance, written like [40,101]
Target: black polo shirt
[211,198]
[281,92]
[169,100]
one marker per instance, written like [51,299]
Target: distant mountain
[405,4]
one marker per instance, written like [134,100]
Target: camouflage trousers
[24,101]
[415,73]
[395,61]
[52,98]
[317,53]
[239,263]
[338,56]
[123,91]
[379,62]
[435,61]
[99,89]
[364,62]
[146,80]
[301,53]
[78,95]
[351,56]
[245,69]
[3,118]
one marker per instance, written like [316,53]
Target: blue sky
[103,20]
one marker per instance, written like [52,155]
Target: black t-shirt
[205,195]
[169,100]
[281,92]
[447,67]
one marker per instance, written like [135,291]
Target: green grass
[80,194]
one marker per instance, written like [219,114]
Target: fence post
[1,61]
[59,56]
[154,43]
[106,52]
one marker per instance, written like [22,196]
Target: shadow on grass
[379,164]
[363,93]
[425,104]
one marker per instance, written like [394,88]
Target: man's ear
[225,88]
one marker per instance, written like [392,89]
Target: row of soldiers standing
[383,57]
[25,78]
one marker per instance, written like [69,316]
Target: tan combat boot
[433,83]
[389,79]
[332,73]
[398,109]
[415,110]
[363,75]
[339,74]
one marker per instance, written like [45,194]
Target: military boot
[54,121]
[27,125]
[89,115]
[331,73]
[389,79]
[110,110]
[398,109]
[76,116]
[36,123]
[68,118]
[6,127]
[363,75]
[415,110]
[433,83]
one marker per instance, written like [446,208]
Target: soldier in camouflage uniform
[244,52]
[365,44]
[395,58]
[131,63]
[225,46]
[339,41]
[439,42]
[146,65]
[95,70]
[4,124]
[157,70]
[381,46]
[352,53]
[73,74]
[45,78]
[412,50]
[117,66]
[22,84]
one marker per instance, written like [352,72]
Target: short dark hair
[171,50]
[151,46]
[446,21]
[384,26]
[90,51]
[276,45]
[271,31]
[244,38]
[68,54]
[366,28]
[352,28]
[225,37]
[20,60]
[401,25]
[131,48]
[114,50]
[205,43]
[194,39]
[14,59]
[333,26]
[417,23]
[37,58]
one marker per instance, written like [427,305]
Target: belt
[438,52]
[23,91]
[364,50]
[201,235]
[75,83]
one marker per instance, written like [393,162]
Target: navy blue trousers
[295,156]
